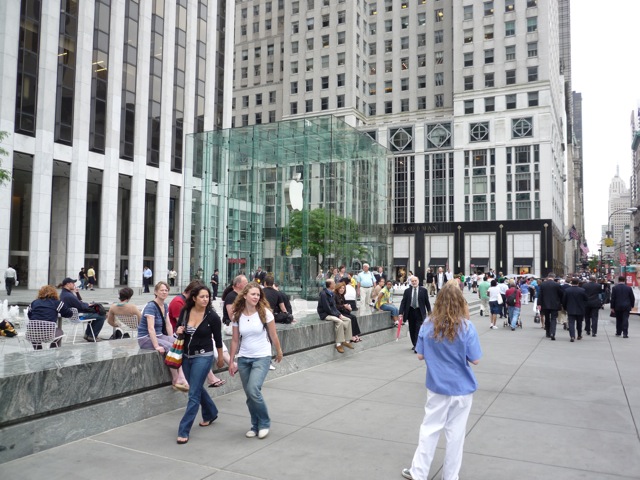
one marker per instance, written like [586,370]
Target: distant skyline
[606,73]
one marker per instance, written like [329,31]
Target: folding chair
[40,332]
[129,321]
[80,322]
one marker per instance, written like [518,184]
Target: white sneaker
[251,434]
[406,473]
[262,433]
[272,366]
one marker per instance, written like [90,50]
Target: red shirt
[175,307]
[509,292]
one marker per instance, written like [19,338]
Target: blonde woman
[253,323]
[448,342]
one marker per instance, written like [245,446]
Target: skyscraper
[96,97]
[471,98]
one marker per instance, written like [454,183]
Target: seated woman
[383,302]
[376,292]
[47,307]
[123,307]
[150,336]
[345,309]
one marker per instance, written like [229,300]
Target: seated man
[72,299]
[328,311]
[123,307]
[276,301]
[285,300]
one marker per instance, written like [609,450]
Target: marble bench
[56,396]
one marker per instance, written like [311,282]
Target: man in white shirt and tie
[414,307]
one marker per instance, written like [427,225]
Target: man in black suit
[622,301]
[259,276]
[592,289]
[549,302]
[414,307]
[574,302]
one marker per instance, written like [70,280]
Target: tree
[328,234]
[5,175]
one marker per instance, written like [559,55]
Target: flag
[573,233]
[584,248]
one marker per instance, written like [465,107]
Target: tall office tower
[619,200]
[577,254]
[96,98]
[468,96]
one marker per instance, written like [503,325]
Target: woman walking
[199,323]
[253,324]
[448,342]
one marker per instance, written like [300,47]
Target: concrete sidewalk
[544,410]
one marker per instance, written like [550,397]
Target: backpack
[511,299]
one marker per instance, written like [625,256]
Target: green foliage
[328,233]
[5,175]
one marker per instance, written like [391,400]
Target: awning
[523,262]
[438,262]
[479,262]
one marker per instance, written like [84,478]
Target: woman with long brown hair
[448,342]
[253,323]
[344,308]
[47,307]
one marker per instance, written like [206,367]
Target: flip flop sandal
[219,383]
[207,423]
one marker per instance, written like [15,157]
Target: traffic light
[636,248]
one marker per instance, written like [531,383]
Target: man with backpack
[513,297]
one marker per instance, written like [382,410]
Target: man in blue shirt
[448,347]
[366,280]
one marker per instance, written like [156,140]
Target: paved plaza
[544,410]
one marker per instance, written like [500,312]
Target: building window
[468,82]
[468,107]
[404,43]
[422,19]
[155,84]
[340,79]
[488,32]
[388,86]
[388,66]
[272,98]
[245,101]
[309,65]
[404,63]
[310,23]
[294,49]
[532,49]
[294,89]
[439,15]
[510,76]
[309,85]
[293,108]
[388,25]
[532,98]
[489,104]
[401,139]
[532,24]
[467,12]
[468,36]
[488,56]
[404,23]
[439,79]
[422,103]
[439,100]
[324,82]
[388,107]
[404,84]
[488,9]
[340,101]
[439,58]
[532,3]
[341,57]
[422,39]
[521,127]
[342,15]
[179,67]
[510,52]
[325,61]
[532,74]
[308,106]
[438,135]
[341,38]
[245,120]
[509,5]
[438,37]
[509,28]
[99,77]
[511,102]
[67,42]
[468,59]
[325,21]
[479,132]
[310,43]
[422,81]
[324,103]
[489,80]
[372,110]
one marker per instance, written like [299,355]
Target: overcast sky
[606,70]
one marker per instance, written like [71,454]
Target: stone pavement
[544,410]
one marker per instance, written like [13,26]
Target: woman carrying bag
[201,326]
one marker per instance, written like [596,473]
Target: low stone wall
[52,397]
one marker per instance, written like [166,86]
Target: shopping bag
[174,356]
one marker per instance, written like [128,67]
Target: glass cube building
[293,197]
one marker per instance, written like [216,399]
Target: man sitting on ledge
[71,298]
[328,311]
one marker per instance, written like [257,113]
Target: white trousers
[365,300]
[448,413]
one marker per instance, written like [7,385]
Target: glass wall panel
[293,197]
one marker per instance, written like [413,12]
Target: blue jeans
[195,370]
[514,313]
[387,307]
[96,325]
[253,371]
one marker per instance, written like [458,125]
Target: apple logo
[294,193]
